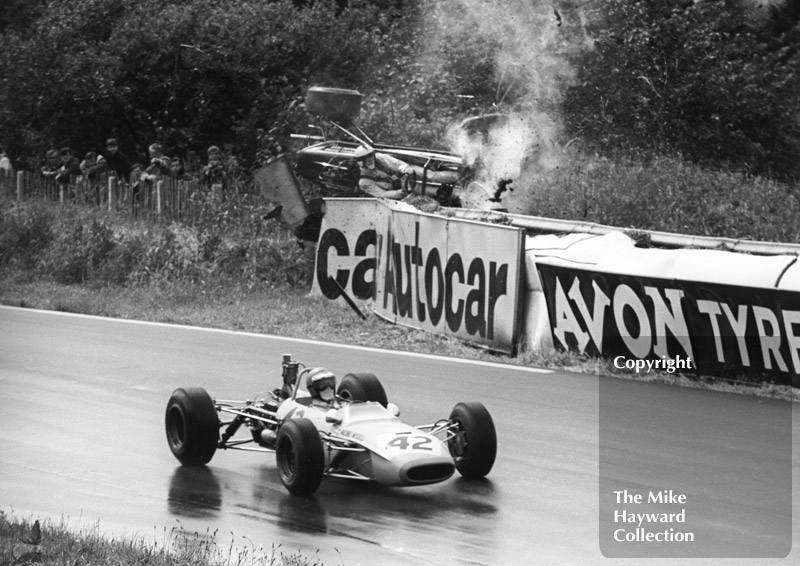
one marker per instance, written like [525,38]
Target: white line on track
[288,339]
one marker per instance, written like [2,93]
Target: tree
[187,73]
[695,78]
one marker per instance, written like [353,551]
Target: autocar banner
[713,327]
[449,276]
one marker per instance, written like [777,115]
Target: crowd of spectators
[217,171]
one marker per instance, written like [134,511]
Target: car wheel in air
[336,104]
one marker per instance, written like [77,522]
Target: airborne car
[357,436]
[328,158]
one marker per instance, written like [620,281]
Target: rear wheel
[362,387]
[334,103]
[300,456]
[192,426]
[474,445]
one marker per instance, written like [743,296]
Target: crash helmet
[321,384]
[362,152]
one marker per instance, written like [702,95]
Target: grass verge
[28,541]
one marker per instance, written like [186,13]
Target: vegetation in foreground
[28,541]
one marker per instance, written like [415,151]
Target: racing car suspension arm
[237,445]
[266,418]
[348,475]
[439,426]
[351,134]
[335,443]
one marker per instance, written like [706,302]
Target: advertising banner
[442,275]
[710,327]
[346,250]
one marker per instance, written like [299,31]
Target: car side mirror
[394,409]
[333,416]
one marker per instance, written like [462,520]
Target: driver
[382,175]
[321,384]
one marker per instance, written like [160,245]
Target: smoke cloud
[531,41]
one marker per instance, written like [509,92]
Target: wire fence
[166,198]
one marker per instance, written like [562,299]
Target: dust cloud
[530,42]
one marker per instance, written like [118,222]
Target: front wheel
[362,387]
[474,444]
[192,426]
[300,456]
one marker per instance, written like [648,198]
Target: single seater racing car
[317,429]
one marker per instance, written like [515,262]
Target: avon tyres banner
[448,276]
[715,327]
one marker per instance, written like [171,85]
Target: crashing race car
[329,159]
[317,429]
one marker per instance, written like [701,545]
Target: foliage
[187,73]
[25,231]
[665,194]
[62,543]
[75,245]
[701,79]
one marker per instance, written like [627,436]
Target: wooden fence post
[159,189]
[112,193]
[20,190]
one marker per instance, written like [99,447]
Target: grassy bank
[49,543]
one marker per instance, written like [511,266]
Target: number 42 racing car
[318,430]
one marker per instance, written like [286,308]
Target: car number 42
[410,442]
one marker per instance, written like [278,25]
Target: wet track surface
[81,431]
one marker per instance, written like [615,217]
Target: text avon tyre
[474,444]
[300,456]
[192,426]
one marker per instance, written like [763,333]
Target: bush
[25,231]
[78,250]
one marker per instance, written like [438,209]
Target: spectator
[52,164]
[214,173]
[117,161]
[5,162]
[70,167]
[160,165]
[178,170]
[90,168]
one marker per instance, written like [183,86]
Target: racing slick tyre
[300,456]
[474,445]
[362,387]
[192,426]
[334,103]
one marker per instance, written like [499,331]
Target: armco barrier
[730,313]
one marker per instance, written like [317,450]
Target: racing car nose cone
[428,470]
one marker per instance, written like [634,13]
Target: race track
[81,431]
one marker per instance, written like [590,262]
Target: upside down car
[317,429]
[328,159]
